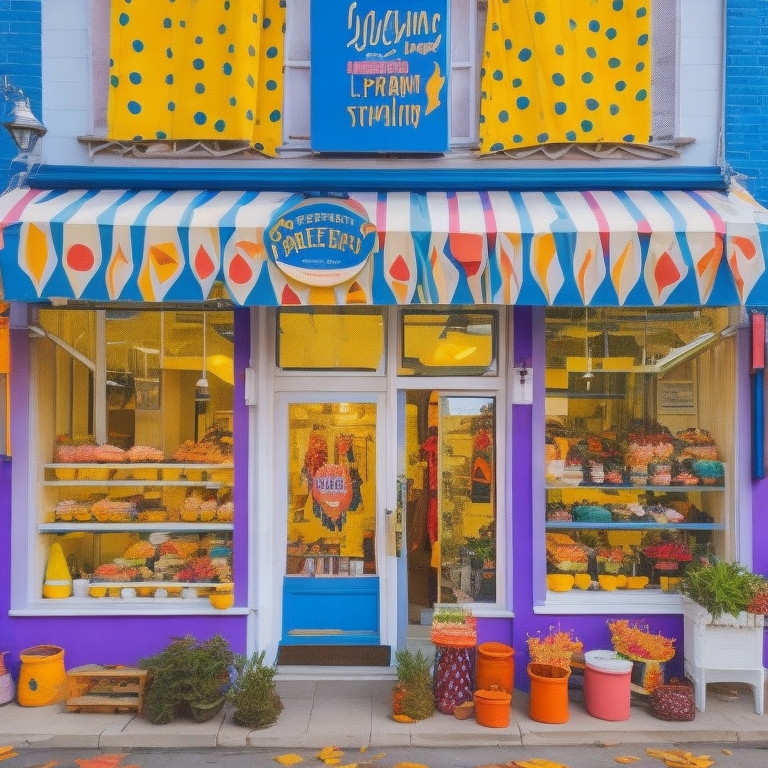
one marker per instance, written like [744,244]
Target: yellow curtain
[197,69]
[565,72]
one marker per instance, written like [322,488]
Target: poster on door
[379,76]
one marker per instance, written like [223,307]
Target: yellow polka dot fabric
[559,72]
[197,69]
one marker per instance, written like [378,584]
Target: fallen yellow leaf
[726,751]
[289,759]
[626,759]
[410,765]
[6,755]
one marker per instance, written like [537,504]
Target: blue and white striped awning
[575,248]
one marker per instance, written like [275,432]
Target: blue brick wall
[746,94]
[20,60]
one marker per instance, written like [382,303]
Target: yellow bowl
[559,582]
[607,581]
[114,591]
[222,600]
[144,591]
[621,581]
[583,580]
[97,591]
[636,582]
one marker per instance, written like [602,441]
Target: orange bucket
[492,708]
[42,678]
[549,693]
[495,666]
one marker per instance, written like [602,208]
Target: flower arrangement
[637,643]
[454,627]
[556,648]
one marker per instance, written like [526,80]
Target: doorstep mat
[335,655]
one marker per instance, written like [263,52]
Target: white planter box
[729,649]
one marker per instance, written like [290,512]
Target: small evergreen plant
[254,695]
[414,680]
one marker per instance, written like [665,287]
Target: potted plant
[188,677]
[254,695]
[413,697]
[723,639]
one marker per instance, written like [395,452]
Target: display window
[639,445]
[133,425]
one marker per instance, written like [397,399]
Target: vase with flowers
[648,651]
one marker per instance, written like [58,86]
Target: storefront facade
[357,391]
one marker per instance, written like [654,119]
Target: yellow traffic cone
[58,581]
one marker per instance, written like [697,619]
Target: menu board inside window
[379,76]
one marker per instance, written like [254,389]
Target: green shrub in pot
[722,587]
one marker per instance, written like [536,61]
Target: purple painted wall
[119,639]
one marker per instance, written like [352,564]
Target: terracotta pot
[492,708]
[495,666]
[549,693]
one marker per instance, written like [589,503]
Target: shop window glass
[331,489]
[455,342]
[464,530]
[134,423]
[332,339]
[639,437]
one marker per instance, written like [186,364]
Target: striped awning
[601,248]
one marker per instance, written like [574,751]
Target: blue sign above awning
[380,76]
[599,248]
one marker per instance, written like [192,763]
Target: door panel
[449,469]
[332,522]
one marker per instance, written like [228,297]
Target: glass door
[449,470]
[331,584]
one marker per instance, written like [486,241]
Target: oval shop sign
[320,242]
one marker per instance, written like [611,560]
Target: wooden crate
[96,688]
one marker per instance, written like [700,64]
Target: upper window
[330,339]
[458,342]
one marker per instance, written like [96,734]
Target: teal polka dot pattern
[553,70]
[186,69]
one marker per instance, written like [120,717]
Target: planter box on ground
[726,650]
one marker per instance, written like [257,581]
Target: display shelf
[617,526]
[636,488]
[179,527]
[128,466]
[209,484]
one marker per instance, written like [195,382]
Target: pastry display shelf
[629,526]
[120,527]
[128,466]
[635,488]
[136,483]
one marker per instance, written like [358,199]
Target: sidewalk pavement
[355,713]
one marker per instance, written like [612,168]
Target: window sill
[117,606]
[618,602]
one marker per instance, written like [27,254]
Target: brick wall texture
[746,88]
[20,61]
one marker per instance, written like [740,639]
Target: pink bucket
[607,685]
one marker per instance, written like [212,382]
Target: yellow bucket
[42,678]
